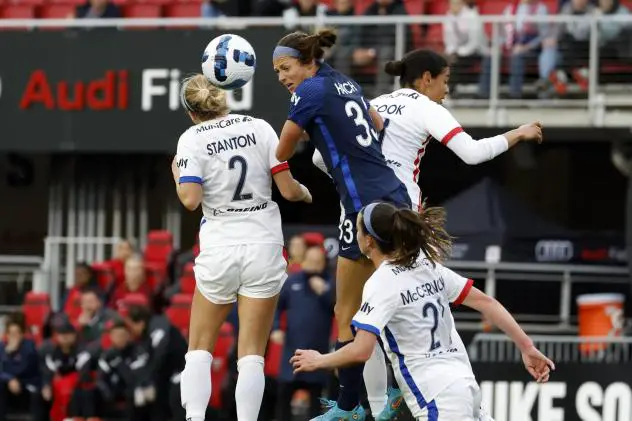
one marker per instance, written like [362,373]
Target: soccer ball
[229,61]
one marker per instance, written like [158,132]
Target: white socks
[376,381]
[250,385]
[195,384]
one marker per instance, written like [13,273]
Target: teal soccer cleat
[394,405]
[336,414]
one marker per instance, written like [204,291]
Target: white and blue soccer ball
[229,61]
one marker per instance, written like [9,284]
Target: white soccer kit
[241,241]
[410,309]
[411,120]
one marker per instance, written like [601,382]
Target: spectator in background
[134,283]
[123,251]
[307,298]
[119,374]
[93,318]
[573,41]
[340,56]
[271,7]
[375,43]
[296,251]
[209,9]
[464,40]
[302,8]
[611,34]
[20,379]
[95,9]
[84,280]
[59,365]
[167,349]
[525,41]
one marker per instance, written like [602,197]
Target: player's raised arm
[536,363]
[289,188]
[443,127]
[291,135]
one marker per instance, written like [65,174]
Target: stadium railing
[607,87]
[24,271]
[61,253]
[498,348]
[565,275]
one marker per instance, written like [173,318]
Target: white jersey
[233,158]
[410,121]
[410,309]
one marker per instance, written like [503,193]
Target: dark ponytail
[403,234]
[312,46]
[394,68]
[414,64]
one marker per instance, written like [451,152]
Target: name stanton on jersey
[232,143]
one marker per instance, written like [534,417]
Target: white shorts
[251,270]
[461,401]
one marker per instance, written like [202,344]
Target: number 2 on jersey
[432,308]
[355,111]
[242,177]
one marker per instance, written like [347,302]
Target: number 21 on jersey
[431,310]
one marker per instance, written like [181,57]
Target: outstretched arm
[357,352]
[538,365]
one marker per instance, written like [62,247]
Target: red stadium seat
[159,243]
[154,274]
[183,10]
[36,309]
[26,2]
[159,2]
[106,276]
[187,280]
[492,7]
[71,2]
[415,7]
[17,11]
[56,11]
[179,312]
[362,5]
[132,299]
[219,368]
[72,308]
[142,11]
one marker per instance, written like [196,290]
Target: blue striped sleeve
[190,179]
[363,326]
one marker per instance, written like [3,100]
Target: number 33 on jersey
[331,109]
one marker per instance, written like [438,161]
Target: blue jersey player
[329,107]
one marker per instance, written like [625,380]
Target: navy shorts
[348,235]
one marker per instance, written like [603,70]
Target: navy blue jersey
[331,109]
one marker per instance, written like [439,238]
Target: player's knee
[201,341]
